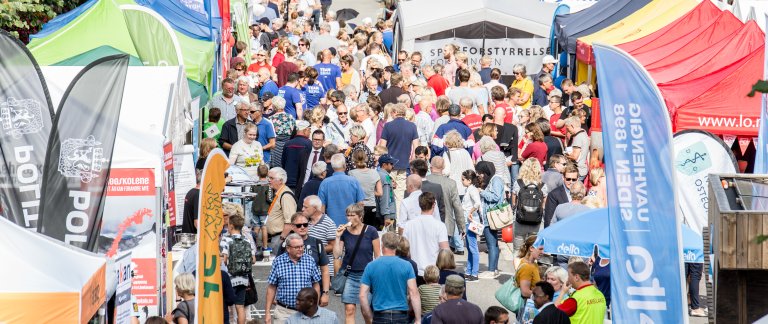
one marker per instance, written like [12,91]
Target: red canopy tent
[725,52]
[692,43]
[702,15]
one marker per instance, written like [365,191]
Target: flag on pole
[25,119]
[761,146]
[80,153]
[210,223]
[646,262]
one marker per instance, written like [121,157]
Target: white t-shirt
[370,130]
[425,234]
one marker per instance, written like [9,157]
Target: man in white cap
[296,155]
[547,67]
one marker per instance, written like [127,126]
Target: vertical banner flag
[210,222]
[646,272]
[123,300]
[80,153]
[761,146]
[25,119]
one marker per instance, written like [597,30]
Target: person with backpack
[491,196]
[260,206]
[314,248]
[528,193]
[238,255]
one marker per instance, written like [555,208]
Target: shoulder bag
[340,279]
[509,294]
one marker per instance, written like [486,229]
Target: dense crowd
[379,172]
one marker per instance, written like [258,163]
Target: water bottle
[530,314]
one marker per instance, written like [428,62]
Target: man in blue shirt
[327,73]
[391,280]
[454,123]
[293,103]
[267,84]
[265,130]
[339,191]
[401,138]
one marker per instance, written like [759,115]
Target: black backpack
[239,262]
[529,204]
[260,206]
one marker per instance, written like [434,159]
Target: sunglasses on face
[255,111]
[571,179]
[301,225]
[341,113]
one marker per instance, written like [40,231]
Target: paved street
[480,292]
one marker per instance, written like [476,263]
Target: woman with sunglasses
[314,248]
[260,61]
[524,83]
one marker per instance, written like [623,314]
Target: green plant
[25,17]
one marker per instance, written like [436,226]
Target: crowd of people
[373,174]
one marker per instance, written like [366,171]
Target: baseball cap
[266,96]
[454,110]
[454,281]
[548,59]
[333,50]
[386,158]
[264,20]
[302,124]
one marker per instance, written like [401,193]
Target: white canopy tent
[509,31]
[751,10]
[43,280]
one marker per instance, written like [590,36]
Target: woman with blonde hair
[481,93]
[247,152]
[457,159]
[206,146]
[598,189]
[557,277]
[278,55]
[357,138]
[318,119]
[528,178]
[486,130]
[185,311]
[491,153]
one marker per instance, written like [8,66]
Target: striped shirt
[430,297]
[290,277]
[325,231]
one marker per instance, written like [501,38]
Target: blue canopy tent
[580,234]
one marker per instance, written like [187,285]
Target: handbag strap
[357,245]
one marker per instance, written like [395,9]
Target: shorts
[258,221]
[351,294]
[240,295]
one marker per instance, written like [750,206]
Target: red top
[509,109]
[438,83]
[569,305]
[283,70]
[279,58]
[536,150]
[474,121]
[255,67]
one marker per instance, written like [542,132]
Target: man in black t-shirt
[191,206]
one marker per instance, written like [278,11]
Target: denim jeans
[492,242]
[390,318]
[694,270]
[514,170]
[473,255]
[456,242]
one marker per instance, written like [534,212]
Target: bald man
[409,208]
[454,213]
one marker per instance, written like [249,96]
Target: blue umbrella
[579,234]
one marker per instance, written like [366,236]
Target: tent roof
[192,22]
[750,10]
[95,54]
[643,22]
[104,24]
[530,16]
[725,107]
[702,15]
[688,44]
[603,14]
[42,264]
[142,130]
[727,51]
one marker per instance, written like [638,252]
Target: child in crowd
[260,206]
[471,205]
[385,204]
[430,292]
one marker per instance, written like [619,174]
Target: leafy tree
[24,17]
